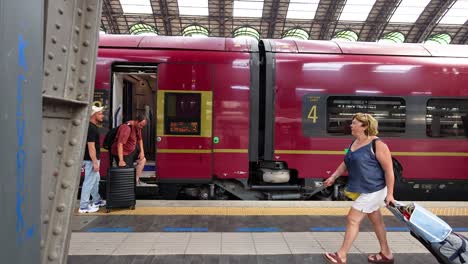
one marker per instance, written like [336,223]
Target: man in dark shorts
[128,145]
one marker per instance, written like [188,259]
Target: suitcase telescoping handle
[391,204]
[394,208]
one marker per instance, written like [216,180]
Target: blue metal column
[21,45]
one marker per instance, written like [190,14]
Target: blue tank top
[365,175]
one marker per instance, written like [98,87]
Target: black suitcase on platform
[120,188]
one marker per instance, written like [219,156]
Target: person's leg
[376,219]
[87,184]
[139,168]
[130,160]
[353,220]
[140,164]
[116,160]
[95,189]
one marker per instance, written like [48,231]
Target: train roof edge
[178,42]
[364,48]
[282,46]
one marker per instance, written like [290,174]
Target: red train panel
[222,73]
[217,68]
[325,75]
[231,119]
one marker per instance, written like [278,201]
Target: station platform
[241,232]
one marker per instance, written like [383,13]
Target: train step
[275,187]
[148,175]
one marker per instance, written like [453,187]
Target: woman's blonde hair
[368,121]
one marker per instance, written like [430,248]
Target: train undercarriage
[268,181]
[233,189]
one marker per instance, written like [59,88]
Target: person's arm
[142,151]
[120,154]
[384,157]
[92,155]
[123,134]
[139,137]
[338,172]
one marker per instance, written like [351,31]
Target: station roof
[409,21]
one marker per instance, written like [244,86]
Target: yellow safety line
[442,154]
[256,211]
[184,151]
[202,151]
[231,150]
[311,152]
[396,153]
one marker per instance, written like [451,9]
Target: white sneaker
[89,209]
[141,183]
[100,203]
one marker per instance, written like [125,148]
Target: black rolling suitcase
[120,188]
[436,235]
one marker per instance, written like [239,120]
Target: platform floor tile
[237,259]
[213,243]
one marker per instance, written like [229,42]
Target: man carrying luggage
[128,146]
[91,165]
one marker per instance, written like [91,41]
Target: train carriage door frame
[134,89]
[184,123]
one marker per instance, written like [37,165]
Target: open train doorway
[134,89]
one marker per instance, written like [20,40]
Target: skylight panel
[409,11]
[248,8]
[357,10]
[136,6]
[458,14]
[193,7]
[302,9]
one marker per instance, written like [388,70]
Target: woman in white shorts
[371,175]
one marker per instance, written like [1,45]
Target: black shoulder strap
[350,145]
[373,145]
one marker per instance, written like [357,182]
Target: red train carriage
[196,95]
[418,93]
[231,118]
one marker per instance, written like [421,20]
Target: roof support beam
[461,37]
[165,17]
[378,19]
[154,17]
[334,10]
[464,40]
[273,16]
[222,18]
[428,20]
[107,11]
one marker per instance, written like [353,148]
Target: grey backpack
[452,249]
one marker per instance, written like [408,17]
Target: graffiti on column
[23,232]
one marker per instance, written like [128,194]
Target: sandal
[383,259]
[333,258]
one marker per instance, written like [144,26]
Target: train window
[390,112]
[447,118]
[182,113]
